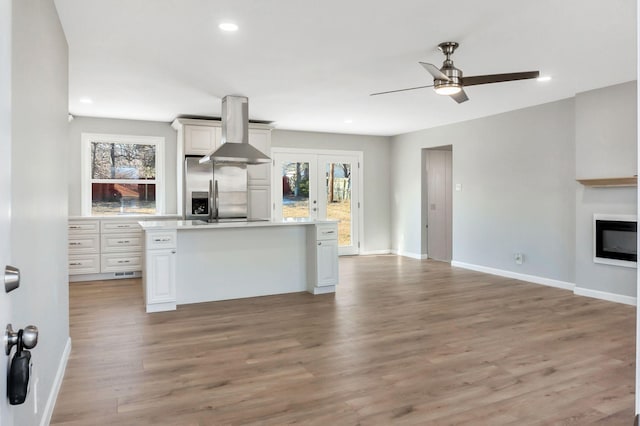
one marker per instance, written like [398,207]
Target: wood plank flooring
[403,342]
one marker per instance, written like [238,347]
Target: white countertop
[199,224]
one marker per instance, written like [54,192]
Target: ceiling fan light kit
[447,89]
[448,80]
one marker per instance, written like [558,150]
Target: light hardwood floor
[402,342]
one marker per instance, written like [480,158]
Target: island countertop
[200,224]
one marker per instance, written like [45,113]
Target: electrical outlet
[519,258]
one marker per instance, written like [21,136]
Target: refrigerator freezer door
[231,190]
[196,188]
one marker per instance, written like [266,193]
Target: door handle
[11,278]
[29,338]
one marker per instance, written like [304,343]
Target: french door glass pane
[338,186]
[295,189]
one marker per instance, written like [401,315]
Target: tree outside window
[123,174]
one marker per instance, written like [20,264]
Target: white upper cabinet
[201,140]
[260,174]
[197,137]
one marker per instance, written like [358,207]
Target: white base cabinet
[159,273]
[322,247]
[105,248]
[327,260]
[84,247]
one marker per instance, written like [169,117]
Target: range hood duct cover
[235,146]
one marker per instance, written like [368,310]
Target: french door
[323,186]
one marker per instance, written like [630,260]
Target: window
[122,175]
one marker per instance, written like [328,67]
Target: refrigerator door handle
[217,197]
[213,200]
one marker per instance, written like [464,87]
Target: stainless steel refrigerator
[214,191]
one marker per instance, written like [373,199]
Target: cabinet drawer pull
[124,261]
[75,227]
[122,226]
[161,240]
[123,241]
[75,264]
[329,232]
[74,244]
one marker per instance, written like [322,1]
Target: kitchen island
[192,261]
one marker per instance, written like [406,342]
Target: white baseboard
[374,252]
[409,254]
[104,276]
[324,289]
[579,291]
[518,276]
[611,297]
[57,383]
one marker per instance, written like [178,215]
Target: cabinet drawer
[115,227]
[87,264]
[327,232]
[161,239]
[114,243]
[121,262]
[83,227]
[84,244]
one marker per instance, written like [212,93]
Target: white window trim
[85,163]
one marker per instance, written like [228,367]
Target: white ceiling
[311,65]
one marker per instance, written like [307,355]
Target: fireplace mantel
[610,182]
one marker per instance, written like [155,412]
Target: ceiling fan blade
[434,71]
[400,90]
[498,78]
[460,97]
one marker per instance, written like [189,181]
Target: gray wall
[81,125]
[518,190]
[606,144]
[39,194]
[376,151]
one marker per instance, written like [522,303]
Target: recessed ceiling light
[86,100]
[544,78]
[228,26]
[348,121]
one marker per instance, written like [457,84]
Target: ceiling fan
[448,80]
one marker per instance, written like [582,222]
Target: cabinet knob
[173,252]
[319,243]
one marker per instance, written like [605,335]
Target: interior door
[6,418]
[439,207]
[295,185]
[338,198]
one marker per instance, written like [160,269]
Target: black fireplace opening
[616,239]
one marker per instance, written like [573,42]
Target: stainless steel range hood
[235,146]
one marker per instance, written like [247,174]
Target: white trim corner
[57,384]
[603,295]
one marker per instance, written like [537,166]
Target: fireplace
[615,240]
